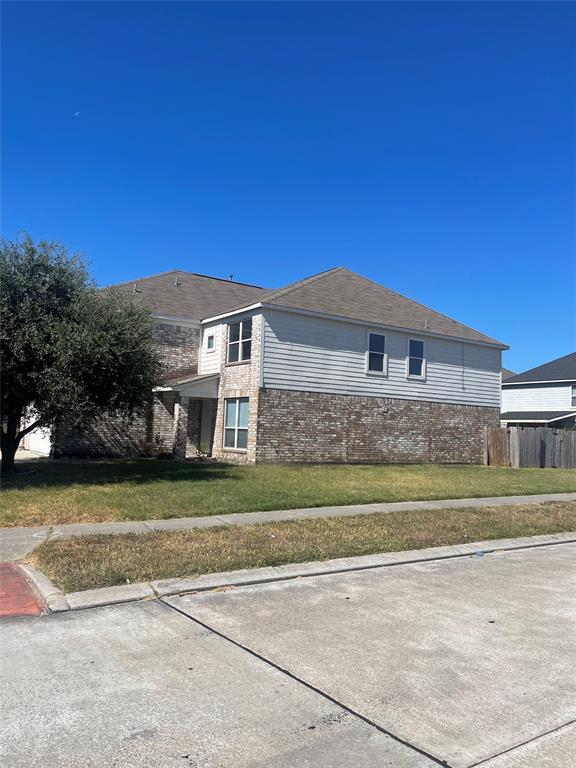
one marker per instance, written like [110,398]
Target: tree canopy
[68,350]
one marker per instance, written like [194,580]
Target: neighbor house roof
[561,369]
[506,374]
[537,416]
[342,293]
[189,295]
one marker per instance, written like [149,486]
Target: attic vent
[135,288]
[426,324]
[177,279]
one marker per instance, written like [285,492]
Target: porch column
[180,429]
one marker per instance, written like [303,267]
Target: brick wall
[178,346]
[149,433]
[152,432]
[317,427]
[239,380]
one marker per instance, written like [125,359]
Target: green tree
[68,350]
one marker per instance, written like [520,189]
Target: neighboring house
[544,396]
[333,368]
[506,374]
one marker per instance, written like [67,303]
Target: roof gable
[340,292]
[561,369]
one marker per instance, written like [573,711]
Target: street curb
[53,597]
[127,593]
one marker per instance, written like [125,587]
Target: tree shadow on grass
[66,472]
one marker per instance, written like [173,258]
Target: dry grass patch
[100,561]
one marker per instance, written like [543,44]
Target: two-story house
[332,368]
[544,396]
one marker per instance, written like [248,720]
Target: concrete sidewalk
[16,543]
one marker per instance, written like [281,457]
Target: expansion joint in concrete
[310,686]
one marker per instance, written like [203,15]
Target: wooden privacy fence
[530,447]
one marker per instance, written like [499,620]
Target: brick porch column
[180,429]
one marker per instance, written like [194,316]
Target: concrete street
[461,662]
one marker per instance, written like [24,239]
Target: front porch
[195,404]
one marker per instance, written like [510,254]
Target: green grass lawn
[46,493]
[102,561]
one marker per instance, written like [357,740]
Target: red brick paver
[17,595]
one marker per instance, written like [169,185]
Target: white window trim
[208,350]
[367,370]
[235,427]
[410,376]
[241,359]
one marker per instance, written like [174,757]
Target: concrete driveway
[458,662]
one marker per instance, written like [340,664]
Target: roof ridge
[276,292]
[183,272]
[299,283]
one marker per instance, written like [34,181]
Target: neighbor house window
[236,423]
[240,341]
[416,365]
[376,354]
[210,343]
[573,397]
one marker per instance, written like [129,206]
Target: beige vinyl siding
[542,397]
[320,355]
[209,362]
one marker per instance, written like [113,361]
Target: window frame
[573,396]
[384,371]
[240,342]
[210,349]
[413,376]
[236,428]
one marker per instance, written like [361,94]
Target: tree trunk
[9,448]
[9,442]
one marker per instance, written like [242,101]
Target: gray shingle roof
[194,297]
[338,292]
[536,415]
[507,373]
[561,369]
[346,294]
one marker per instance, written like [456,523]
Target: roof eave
[508,382]
[356,321]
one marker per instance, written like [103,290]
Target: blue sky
[429,146]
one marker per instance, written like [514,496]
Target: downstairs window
[236,423]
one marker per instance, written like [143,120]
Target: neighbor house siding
[312,354]
[537,397]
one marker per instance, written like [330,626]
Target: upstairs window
[416,363]
[240,341]
[236,423]
[376,354]
[573,397]
[210,343]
